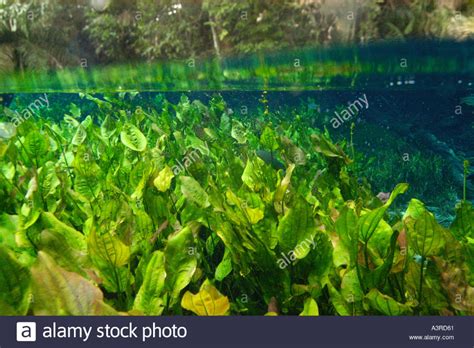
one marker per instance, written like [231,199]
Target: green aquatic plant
[466,173]
[352,140]
[171,209]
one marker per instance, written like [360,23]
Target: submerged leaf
[14,285]
[36,145]
[59,292]
[424,234]
[338,301]
[133,138]
[149,299]
[208,301]
[385,304]
[368,222]
[238,132]
[224,268]
[297,229]
[282,188]
[74,238]
[80,135]
[163,180]
[181,262]
[108,248]
[327,148]
[310,308]
[463,224]
[268,139]
[191,189]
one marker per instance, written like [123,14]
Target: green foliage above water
[53,34]
[176,210]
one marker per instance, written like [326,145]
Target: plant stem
[366,256]
[466,171]
[359,276]
[63,152]
[352,140]
[400,290]
[420,290]
[11,183]
[172,201]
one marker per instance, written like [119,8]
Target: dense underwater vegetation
[236,157]
[186,207]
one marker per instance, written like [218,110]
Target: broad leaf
[163,180]
[149,299]
[133,138]
[208,301]
[369,221]
[108,248]
[463,224]
[74,238]
[224,268]
[80,136]
[36,145]
[268,139]
[59,292]
[338,301]
[425,236]
[191,189]
[310,308]
[14,285]
[238,132]
[181,262]
[297,229]
[385,304]
[282,188]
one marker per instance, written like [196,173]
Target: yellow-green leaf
[74,238]
[296,230]
[310,308]
[59,292]
[254,214]
[425,235]
[163,180]
[191,189]
[133,138]
[385,304]
[369,221]
[181,262]
[238,132]
[150,299]
[208,301]
[282,187]
[108,248]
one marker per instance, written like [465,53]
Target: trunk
[215,39]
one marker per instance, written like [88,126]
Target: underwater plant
[466,173]
[94,216]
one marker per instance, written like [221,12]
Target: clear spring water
[412,104]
